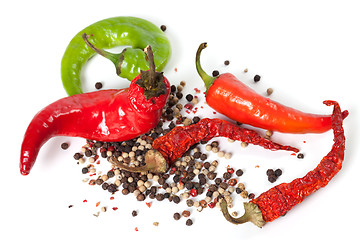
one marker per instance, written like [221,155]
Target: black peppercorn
[278,172]
[64,146]
[176,199]
[239,172]
[215,73]
[270,172]
[300,156]
[159,197]
[226,175]
[272,178]
[112,188]
[163,28]
[177,216]
[77,156]
[189,97]
[256,78]
[179,95]
[196,119]
[189,222]
[140,197]
[110,174]
[98,85]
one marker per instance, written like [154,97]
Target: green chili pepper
[108,33]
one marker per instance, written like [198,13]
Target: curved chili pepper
[106,115]
[232,98]
[280,199]
[109,33]
[168,148]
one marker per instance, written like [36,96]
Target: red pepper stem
[252,214]
[208,80]
[117,59]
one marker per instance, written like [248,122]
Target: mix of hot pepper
[123,114]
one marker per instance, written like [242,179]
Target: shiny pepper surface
[232,98]
[110,33]
[106,115]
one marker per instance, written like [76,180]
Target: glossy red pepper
[278,200]
[232,98]
[106,115]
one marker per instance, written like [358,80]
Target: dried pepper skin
[175,143]
[283,197]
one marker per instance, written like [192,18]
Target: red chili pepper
[171,146]
[280,199]
[106,115]
[229,96]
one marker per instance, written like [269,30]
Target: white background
[307,51]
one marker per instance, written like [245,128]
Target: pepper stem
[151,81]
[208,80]
[154,160]
[252,214]
[116,58]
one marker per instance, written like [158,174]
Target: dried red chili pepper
[168,148]
[229,96]
[106,115]
[280,199]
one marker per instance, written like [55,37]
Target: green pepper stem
[252,214]
[151,61]
[151,81]
[116,58]
[208,80]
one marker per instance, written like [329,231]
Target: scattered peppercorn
[64,146]
[98,85]
[278,172]
[189,97]
[256,78]
[251,196]
[185,213]
[134,213]
[269,91]
[239,172]
[226,62]
[190,174]
[163,28]
[215,73]
[300,156]
[189,222]
[177,216]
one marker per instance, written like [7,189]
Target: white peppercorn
[208,147]
[228,155]
[215,149]
[221,154]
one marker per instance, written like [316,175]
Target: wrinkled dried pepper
[168,148]
[278,200]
